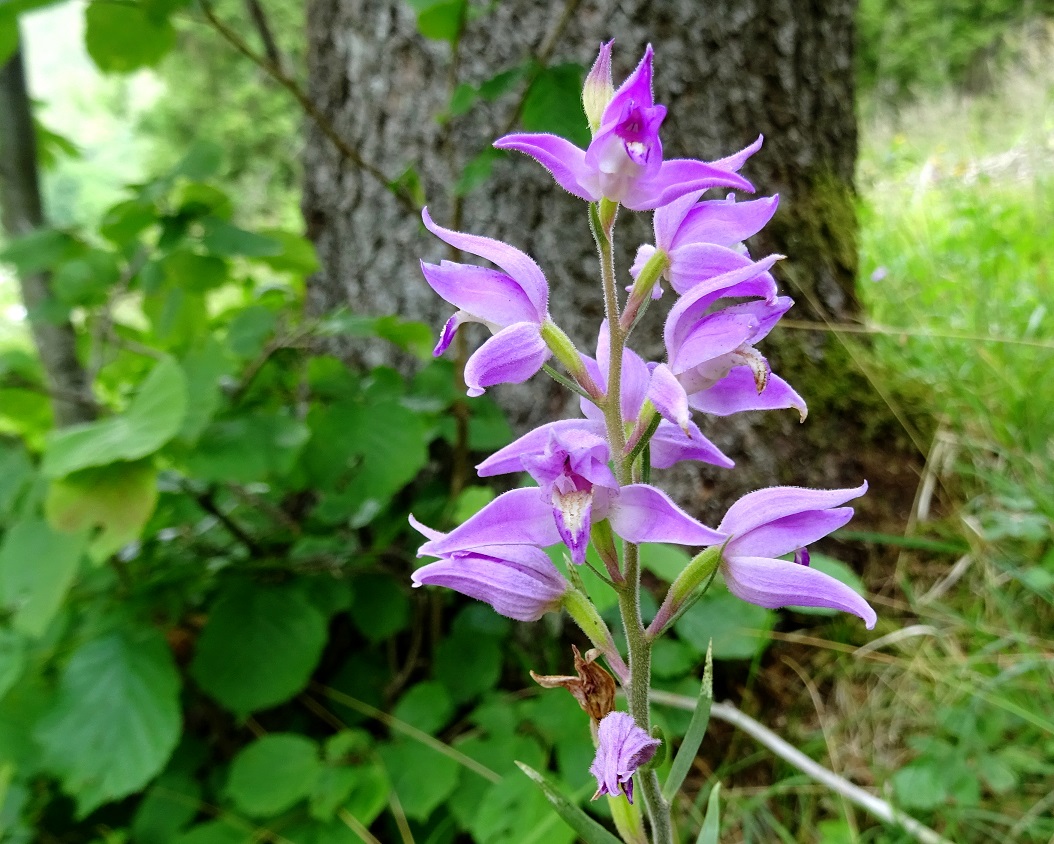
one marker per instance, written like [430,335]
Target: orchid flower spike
[519,582]
[622,748]
[774,522]
[513,304]
[623,162]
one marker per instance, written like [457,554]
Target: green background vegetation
[219,644]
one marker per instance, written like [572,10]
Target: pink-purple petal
[738,159]
[668,396]
[517,264]
[492,296]
[766,505]
[778,583]
[517,517]
[784,535]
[622,747]
[561,158]
[670,445]
[725,222]
[642,513]
[511,356]
[510,458]
[738,392]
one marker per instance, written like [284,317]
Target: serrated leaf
[116,719]
[259,647]
[153,417]
[124,221]
[117,500]
[37,567]
[273,774]
[40,250]
[422,777]
[248,448]
[121,37]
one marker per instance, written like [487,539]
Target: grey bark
[22,214]
[727,70]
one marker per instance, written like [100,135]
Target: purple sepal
[738,159]
[737,392]
[622,747]
[518,581]
[564,161]
[511,356]
[643,513]
[669,397]
[670,445]
[773,522]
[510,458]
[517,517]
[778,583]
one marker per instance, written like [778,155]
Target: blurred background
[218,405]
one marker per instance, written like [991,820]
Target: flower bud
[598,89]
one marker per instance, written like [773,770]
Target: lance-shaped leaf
[587,829]
[682,762]
[712,824]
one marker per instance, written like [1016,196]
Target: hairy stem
[639,645]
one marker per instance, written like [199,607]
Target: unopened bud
[598,89]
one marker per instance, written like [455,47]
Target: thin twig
[875,806]
[310,109]
[263,29]
[355,825]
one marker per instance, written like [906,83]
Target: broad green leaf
[686,753]
[8,37]
[86,280]
[12,659]
[427,706]
[201,161]
[118,500]
[116,719]
[123,222]
[554,104]
[712,823]
[380,607]
[259,647]
[169,805]
[297,256]
[672,658]
[738,629]
[203,366]
[16,474]
[667,561]
[921,784]
[192,272]
[250,329]
[248,448]
[422,777]
[273,774]
[226,239]
[122,37]
[362,789]
[839,571]
[153,417]
[40,250]
[439,19]
[476,172]
[37,566]
[467,665]
[216,832]
[509,813]
[588,829]
[178,317]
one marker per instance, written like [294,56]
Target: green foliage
[273,773]
[122,37]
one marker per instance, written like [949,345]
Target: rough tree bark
[22,214]
[727,70]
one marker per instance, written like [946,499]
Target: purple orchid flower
[622,748]
[623,162]
[513,304]
[712,353]
[773,522]
[637,513]
[696,241]
[518,581]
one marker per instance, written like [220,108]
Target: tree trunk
[727,70]
[22,214]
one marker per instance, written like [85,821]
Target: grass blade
[686,753]
[712,824]
[587,829]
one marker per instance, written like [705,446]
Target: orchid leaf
[712,824]
[682,762]
[588,829]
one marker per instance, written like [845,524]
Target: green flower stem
[638,685]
